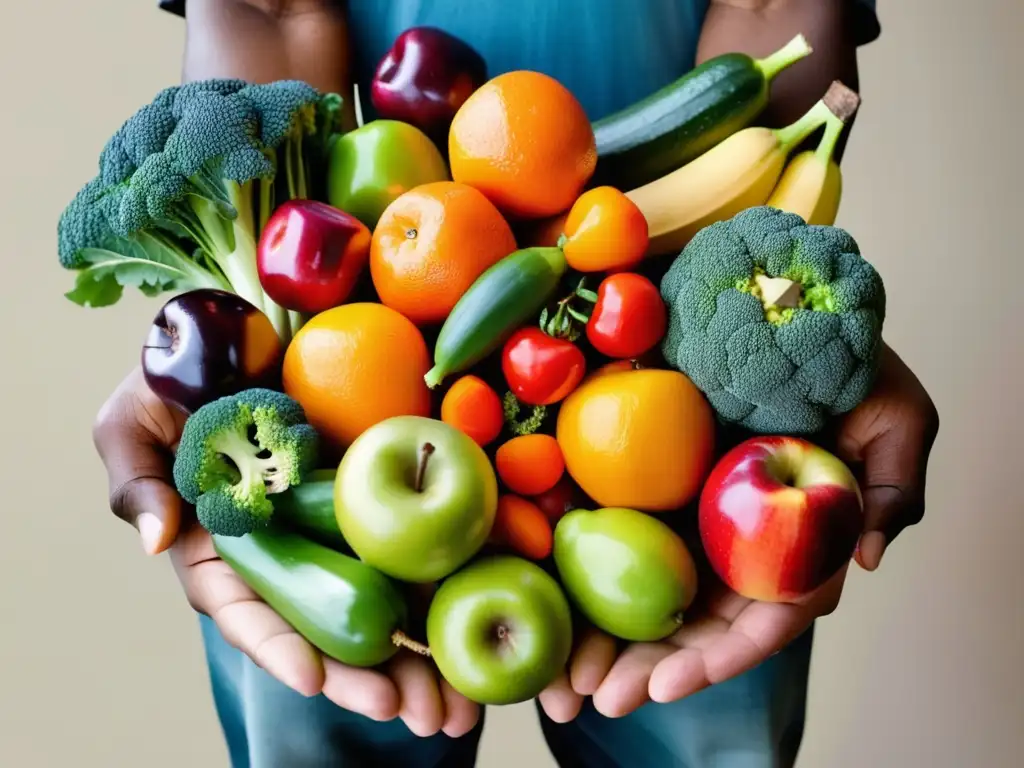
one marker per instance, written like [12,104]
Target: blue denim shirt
[609,53]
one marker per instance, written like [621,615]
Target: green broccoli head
[239,450]
[778,322]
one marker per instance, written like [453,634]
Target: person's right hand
[136,434]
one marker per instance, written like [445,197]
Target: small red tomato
[541,369]
[628,318]
[563,498]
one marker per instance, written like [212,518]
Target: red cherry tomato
[541,369]
[628,318]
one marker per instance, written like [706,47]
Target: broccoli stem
[252,469]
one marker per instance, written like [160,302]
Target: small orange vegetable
[473,407]
[530,464]
[521,525]
[605,231]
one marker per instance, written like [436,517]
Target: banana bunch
[752,167]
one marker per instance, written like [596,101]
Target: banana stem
[796,132]
[796,49]
[827,147]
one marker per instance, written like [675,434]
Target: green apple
[415,498]
[500,630]
[372,165]
[626,571]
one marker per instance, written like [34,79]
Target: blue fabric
[753,721]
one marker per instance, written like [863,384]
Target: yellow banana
[812,183]
[738,173]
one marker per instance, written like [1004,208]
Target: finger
[153,506]
[625,688]
[366,692]
[559,701]
[421,707]
[592,661]
[461,714]
[251,626]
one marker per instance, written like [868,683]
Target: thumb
[153,506]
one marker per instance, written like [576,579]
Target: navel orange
[354,366]
[431,244]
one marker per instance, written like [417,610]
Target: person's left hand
[887,440]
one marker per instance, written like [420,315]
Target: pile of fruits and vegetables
[549,367]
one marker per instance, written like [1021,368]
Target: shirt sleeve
[865,20]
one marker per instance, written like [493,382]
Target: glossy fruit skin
[310,255]
[206,344]
[523,527]
[778,517]
[507,295]
[415,536]
[425,77]
[372,165]
[541,369]
[472,405]
[629,317]
[560,500]
[626,571]
[354,366]
[431,244]
[642,439]
[525,141]
[344,608]
[493,602]
[605,231]
[529,464]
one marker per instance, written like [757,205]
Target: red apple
[778,517]
[311,254]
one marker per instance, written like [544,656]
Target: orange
[525,141]
[530,464]
[354,366]
[641,439]
[472,406]
[431,244]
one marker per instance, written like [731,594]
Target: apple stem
[425,453]
[678,618]
[402,640]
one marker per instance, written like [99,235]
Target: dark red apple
[424,78]
[206,344]
[778,517]
[311,254]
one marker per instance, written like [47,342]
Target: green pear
[626,571]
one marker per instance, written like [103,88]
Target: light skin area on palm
[888,437]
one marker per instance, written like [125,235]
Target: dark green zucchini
[683,120]
[308,509]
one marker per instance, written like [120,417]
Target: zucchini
[346,609]
[684,119]
[308,509]
[508,294]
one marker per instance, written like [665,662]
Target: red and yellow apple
[778,517]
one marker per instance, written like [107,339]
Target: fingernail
[151,530]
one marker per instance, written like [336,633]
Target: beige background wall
[100,660]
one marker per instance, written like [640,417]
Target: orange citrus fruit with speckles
[354,366]
[431,244]
[525,141]
[642,439]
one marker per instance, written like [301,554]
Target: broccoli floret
[186,186]
[239,450]
[776,321]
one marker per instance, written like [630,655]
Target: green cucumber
[684,119]
[508,294]
[343,607]
[308,509]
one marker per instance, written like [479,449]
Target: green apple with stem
[370,166]
[500,630]
[415,498]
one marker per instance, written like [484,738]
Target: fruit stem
[402,640]
[796,49]
[435,376]
[843,102]
[425,452]
[794,133]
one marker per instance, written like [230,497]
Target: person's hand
[136,434]
[887,440]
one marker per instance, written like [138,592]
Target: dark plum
[206,344]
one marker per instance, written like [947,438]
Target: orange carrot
[521,525]
[530,464]
[473,407]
